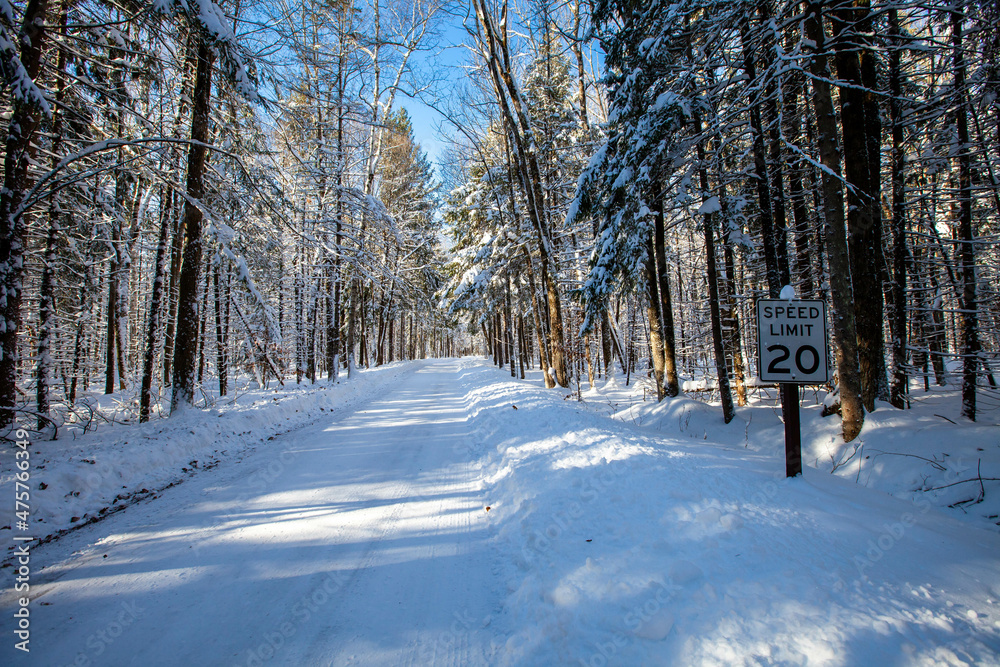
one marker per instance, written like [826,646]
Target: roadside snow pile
[928,453]
[79,478]
[623,545]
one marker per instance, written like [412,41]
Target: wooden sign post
[792,350]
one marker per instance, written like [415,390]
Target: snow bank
[663,539]
[928,453]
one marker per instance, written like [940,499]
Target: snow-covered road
[363,538]
[357,540]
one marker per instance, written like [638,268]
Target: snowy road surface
[363,539]
[356,541]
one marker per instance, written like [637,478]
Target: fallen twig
[964,481]
[933,462]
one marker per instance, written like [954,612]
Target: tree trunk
[522,345]
[841,293]
[966,236]
[186,343]
[221,361]
[299,305]
[311,338]
[859,122]
[714,299]
[605,343]
[543,352]
[768,230]
[581,73]
[509,337]
[111,338]
[776,154]
[731,321]
[352,318]
[897,313]
[176,255]
[203,323]
[79,345]
[25,117]
[174,205]
[671,383]
[796,187]
[46,303]
[155,309]
[718,345]
[653,314]
[46,323]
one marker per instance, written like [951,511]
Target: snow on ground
[928,453]
[448,514]
[82,476]
[665,540]
[357,539]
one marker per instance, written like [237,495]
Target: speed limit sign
[791,350]
[791,340]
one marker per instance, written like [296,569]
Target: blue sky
[446,61]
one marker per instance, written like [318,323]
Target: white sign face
[791,341]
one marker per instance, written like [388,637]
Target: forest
[201,193]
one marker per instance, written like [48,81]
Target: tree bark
[311,338]
[897,311]
[671,383]
[186,343]
[352,318]
[841,293]
[718,345]
[47,297]
[731,322]
[509,332]
[796,188]
[221,357]
[714,298]
[174,204]
[203,320]
[862,136]
[968,317]
[543,351]
[46,323]
[26,115]
[155,309]
[769,233]
[776,154]
[653,314]
[111,337]
[299,306]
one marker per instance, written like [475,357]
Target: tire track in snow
[368,547]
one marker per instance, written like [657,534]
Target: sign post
[791,350]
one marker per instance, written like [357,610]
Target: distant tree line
[199,191]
